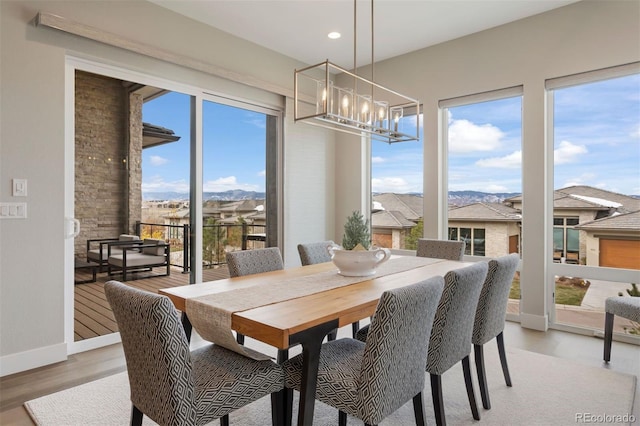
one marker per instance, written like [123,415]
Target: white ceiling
[299,28]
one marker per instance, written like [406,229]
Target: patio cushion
[155,251]
[136,259]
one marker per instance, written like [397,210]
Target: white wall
[32,146]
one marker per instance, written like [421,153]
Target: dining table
[298,305]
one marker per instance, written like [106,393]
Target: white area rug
[546,391]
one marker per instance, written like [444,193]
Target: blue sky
[597,143]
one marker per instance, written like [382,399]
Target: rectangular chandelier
[362,107]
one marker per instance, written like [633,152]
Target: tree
[213,241]
[411,242]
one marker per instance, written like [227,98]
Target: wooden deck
[92,313]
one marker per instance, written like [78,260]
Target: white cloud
[156,160]
[568,152]
[635,134]
[377,160]
[465,136]
[511,161]
[227,183]
[390,184]
[262,173]
[157,184]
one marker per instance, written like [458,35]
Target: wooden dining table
[304,319]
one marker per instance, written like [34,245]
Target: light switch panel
[13,210]
[19,187]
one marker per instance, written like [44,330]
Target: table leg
[186,324]
[311,341]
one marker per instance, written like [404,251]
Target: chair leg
[503,359]
[482,376]
[355,326]
[342,418]
[277,408]
[224,420]
[608,336]
[240,338]
[436,396]
[332,335]
[466,369]
[287,403]
[136,416]
[418,410]
[283,355]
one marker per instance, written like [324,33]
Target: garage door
[620,253]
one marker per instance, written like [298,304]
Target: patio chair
[174,386]
[135,256]
[98,248]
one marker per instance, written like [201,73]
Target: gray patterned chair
[490,317]
[173,386]
[625,307]
[249,262]
[312,253]
[372,380]
[440,249]
[450,340]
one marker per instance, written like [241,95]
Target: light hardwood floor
[87,366]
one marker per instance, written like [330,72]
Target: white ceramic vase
[362,263]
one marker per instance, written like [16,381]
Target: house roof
[583,197]
[408,204]
[485,212]
[390,219]
[617,222]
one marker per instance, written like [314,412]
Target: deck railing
[217,239]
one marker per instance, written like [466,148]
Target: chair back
[441,249]
[312,253]
[492,304]
[248,262]
[157,354]
[450,339]
[395,354]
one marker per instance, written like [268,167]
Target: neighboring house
[390,229]
[591,226]
[489,229]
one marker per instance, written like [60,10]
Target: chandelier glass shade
[358,106]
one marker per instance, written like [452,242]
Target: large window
[484,156]
[596,141]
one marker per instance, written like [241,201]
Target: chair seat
[625,307]
[136,260]
[226,381]
[94,254]
[338,374]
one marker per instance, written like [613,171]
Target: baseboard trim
[23,361]
[534,322]
[94,343]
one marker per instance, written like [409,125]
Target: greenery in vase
[356,231]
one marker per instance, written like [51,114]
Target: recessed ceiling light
[334,35]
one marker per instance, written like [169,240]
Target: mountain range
[458,198]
